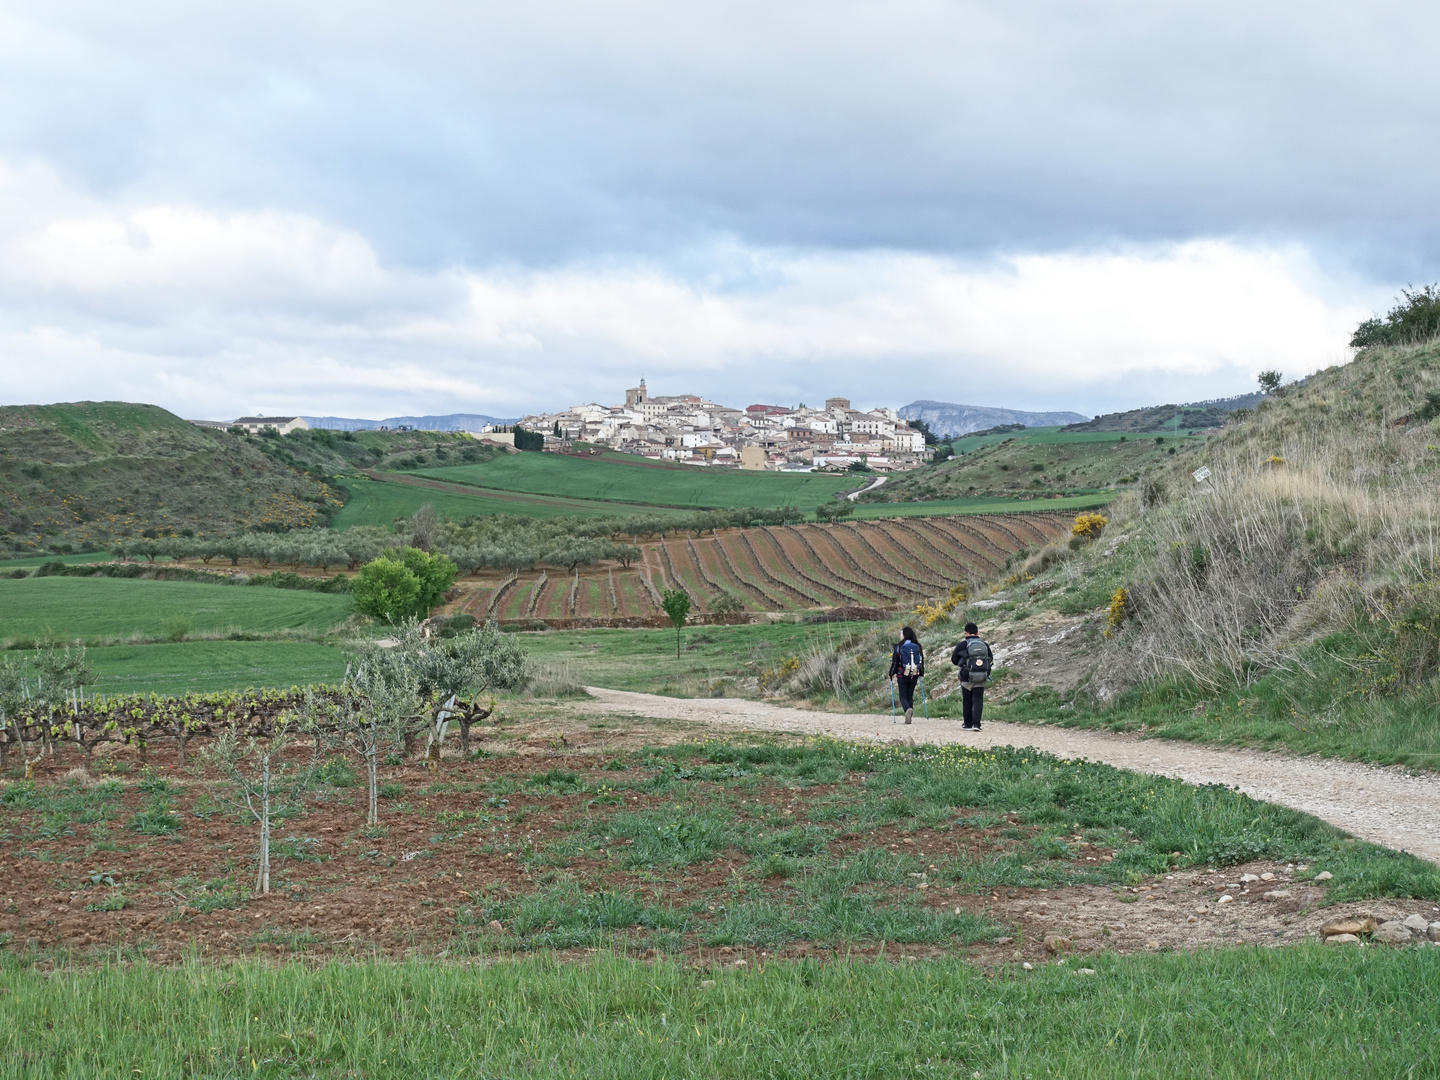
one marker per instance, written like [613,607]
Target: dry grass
[1320,512]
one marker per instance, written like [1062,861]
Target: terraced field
[871,564]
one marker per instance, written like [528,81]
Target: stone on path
[1417,924]
[1434,932]
[1348,926]
[1277,894]
[1324,875]
[1393,932]
[1342,939]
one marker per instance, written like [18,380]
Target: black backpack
[973,657]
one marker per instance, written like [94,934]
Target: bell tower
[635,396]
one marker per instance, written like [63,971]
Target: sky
[374,209]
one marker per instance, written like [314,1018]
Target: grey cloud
[549,131]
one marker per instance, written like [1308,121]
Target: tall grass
[1319,514]
[1297,1012]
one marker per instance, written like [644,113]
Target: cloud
[219,314]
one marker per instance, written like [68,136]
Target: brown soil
[457,844]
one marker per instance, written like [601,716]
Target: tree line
[501,542]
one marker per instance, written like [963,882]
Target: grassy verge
[714,660]
[1303,1012]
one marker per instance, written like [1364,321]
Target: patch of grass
[1281,1013]
[89,608]
[204,666]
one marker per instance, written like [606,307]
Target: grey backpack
[976,662]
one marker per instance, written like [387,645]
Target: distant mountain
[1194,416]
[452,422]
[947,418]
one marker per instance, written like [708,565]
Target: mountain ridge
[950,418]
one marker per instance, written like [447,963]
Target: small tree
[676,603]
[257,774]
[384,706]
[385,589]
[453,673]
[12,701]
[1269,380]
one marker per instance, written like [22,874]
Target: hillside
[83,473]
[448,422]
[1194,417]
[947,418]
[1038,463]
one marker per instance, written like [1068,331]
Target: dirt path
[1386,806]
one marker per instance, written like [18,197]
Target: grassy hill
[83,473]
[1035,463]
[626,478]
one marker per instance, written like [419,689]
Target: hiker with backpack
[972,657]
[907,668]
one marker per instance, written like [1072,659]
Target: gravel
[1388,806]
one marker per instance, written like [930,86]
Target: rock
[1003,940]
[1276,894]
[707,984]
[1324,875]
[1245,879]
[1342,939]
[741,963]
[1193,919]
[1417,924]
[1433,933]
[1226,899]
[1055,943]
[1028,967]
[1267,876]
[1393,932]
[1084,971]
[1348,926]
[494,925]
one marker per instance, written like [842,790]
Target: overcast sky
[371,209]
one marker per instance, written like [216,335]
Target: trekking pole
[923,699]
[892,700]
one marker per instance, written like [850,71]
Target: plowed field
[881,564]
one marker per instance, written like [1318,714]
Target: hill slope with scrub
[82,474]
[1290,598]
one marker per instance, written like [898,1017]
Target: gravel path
[1386,806]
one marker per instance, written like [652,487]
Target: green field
[376,502]
[1054,436]
[202,666]
[947,508]
[40,560]
[96,608]
[626,479]
[1284,1014]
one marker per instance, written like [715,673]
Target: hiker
[972,657]
[907,667]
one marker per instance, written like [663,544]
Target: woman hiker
[907,667]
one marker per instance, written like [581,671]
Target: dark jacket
[961,653]
[897,665]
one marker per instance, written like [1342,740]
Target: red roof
[768,410]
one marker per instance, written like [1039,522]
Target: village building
[688,428]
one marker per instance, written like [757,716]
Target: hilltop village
[688,429]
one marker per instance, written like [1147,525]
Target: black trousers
[972,704]
[905,687]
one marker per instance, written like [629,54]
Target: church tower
[635,395]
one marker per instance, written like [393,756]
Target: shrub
[1089,525]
